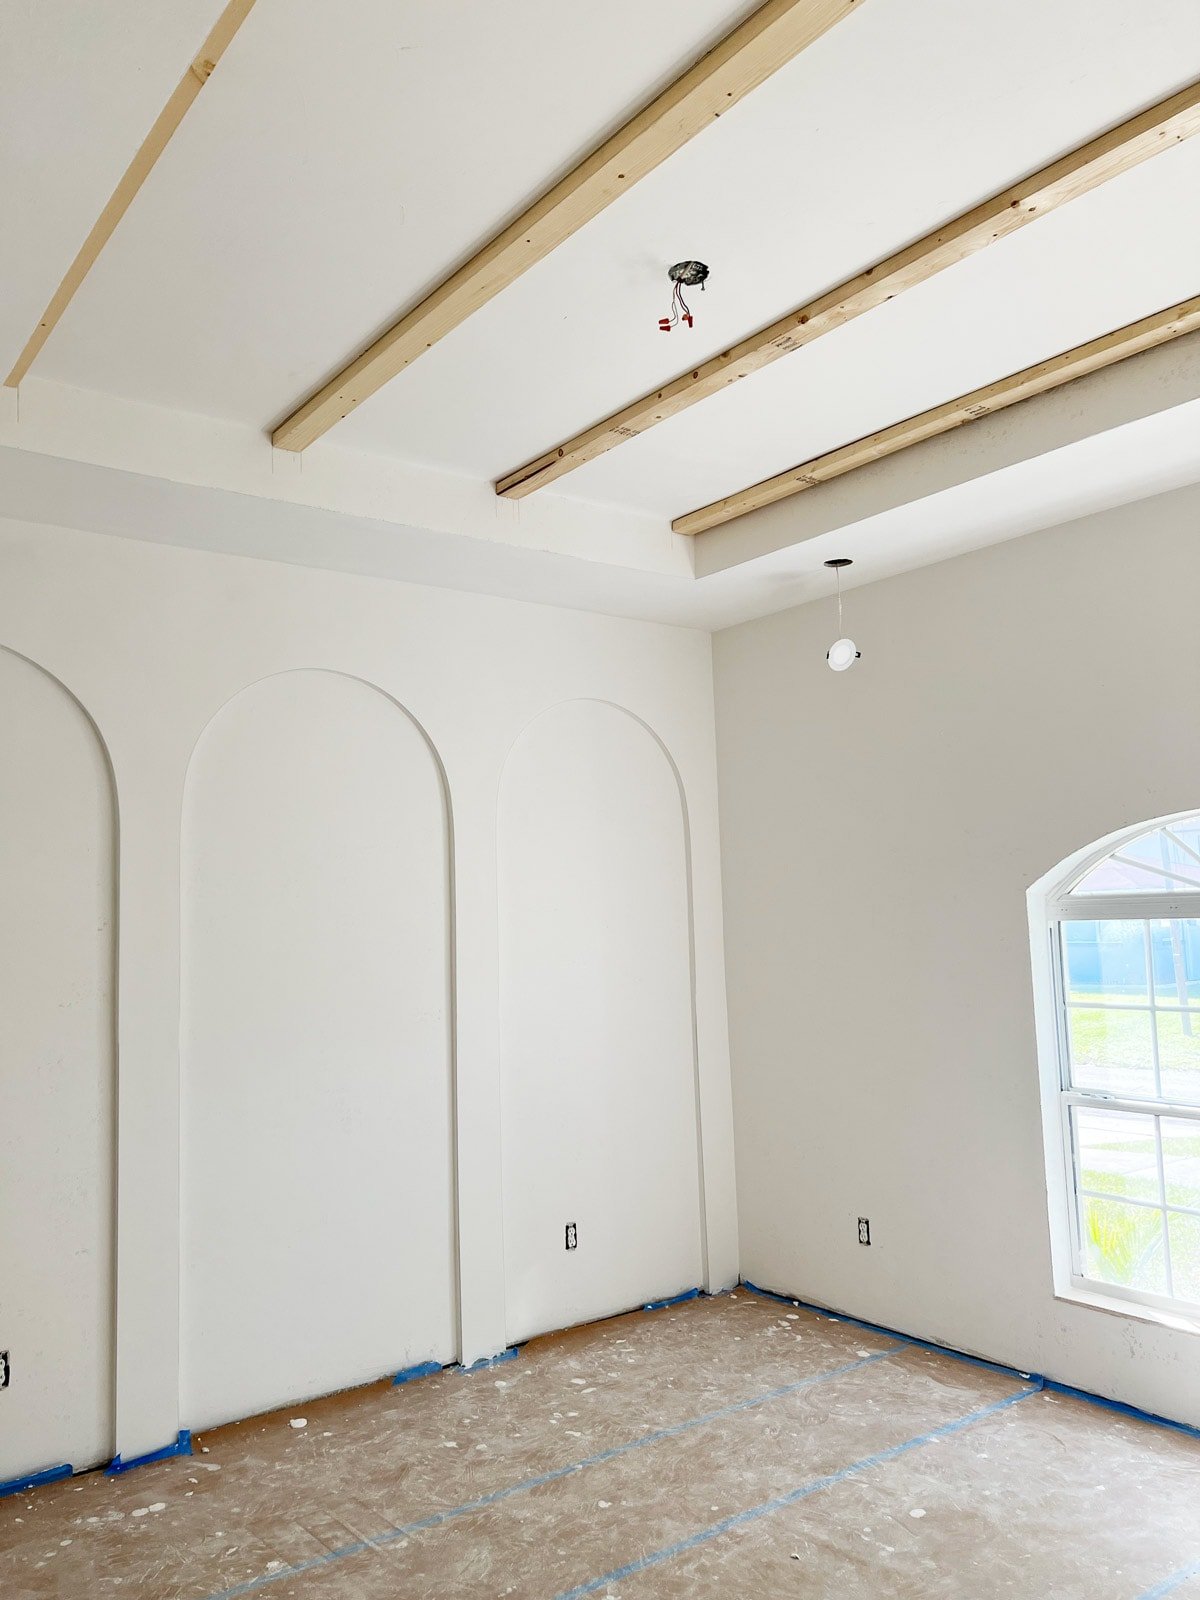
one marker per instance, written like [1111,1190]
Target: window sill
[1080,1294]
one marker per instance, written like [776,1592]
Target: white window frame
[1052,902]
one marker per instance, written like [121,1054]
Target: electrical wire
[683,272]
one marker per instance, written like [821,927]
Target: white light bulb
[842,654]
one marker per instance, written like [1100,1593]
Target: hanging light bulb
[842,653]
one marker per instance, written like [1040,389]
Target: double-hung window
[1125,952]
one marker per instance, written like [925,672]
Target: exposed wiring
[683,272]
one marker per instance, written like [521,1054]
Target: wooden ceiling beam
[1131,340]
[776,33]
[199,71]
[1092,164]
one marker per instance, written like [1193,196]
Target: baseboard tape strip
[428,1369]
[485,1362]
[888,1333]
[672,1300]
[424,1369]
[1050,1385]
[1120,1407]
[35,1480]
[181,1447]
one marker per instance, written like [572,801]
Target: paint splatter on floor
[706,1456]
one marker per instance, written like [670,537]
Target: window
[1124,942]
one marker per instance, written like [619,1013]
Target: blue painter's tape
[1122,1409]
[391,1535]
[1169,1585]
[673,1300]
[424,1369]
[1051,1384]
[891,1333]
[35,1480]
[181,1447]
[656,1557]
[769,1294]
[922,1344]
[485,1362]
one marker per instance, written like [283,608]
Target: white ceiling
[1041,291]
[340,161]
[866,141]
[343,158]
[66,136]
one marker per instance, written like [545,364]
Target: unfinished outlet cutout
[864,1230]
[572,1233]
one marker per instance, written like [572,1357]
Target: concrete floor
[725,1447]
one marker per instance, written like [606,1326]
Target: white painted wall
[880,830]
[57,1078]
[315,926]
[318,1238]
[597,1061]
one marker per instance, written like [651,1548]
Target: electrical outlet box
[864,1230]
[5,1369]
[572,1236]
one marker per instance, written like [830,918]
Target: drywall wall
[316,1051]
[57,946]
[597,1063]
[880,830]
[308,767]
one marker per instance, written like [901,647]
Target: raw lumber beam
[745,58]
[172,114]
[1077,363]
[1094,163]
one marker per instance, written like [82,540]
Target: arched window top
[1163,860]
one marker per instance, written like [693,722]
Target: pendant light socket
[842,653]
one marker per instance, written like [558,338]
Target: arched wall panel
[599,1107]
[317,1112]
[57,1075]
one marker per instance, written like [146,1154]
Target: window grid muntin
[1152,1006]
[1131,1005]
[1171,829]
[1148,947]
[1162,1176]
[1129,908]
[1133,1200]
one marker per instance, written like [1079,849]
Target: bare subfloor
[725,1447]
